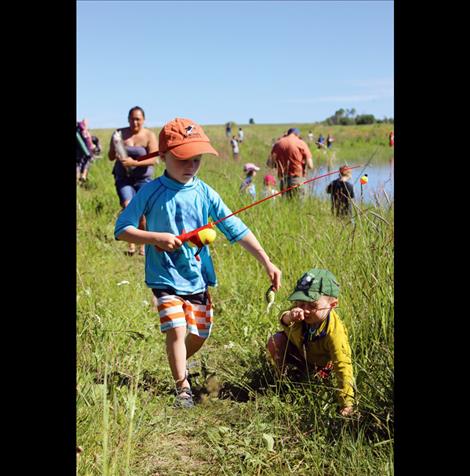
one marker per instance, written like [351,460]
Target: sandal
[184,398]
[131,250]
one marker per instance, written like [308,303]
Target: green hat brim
[301,296]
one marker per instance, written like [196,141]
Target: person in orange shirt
[291,156]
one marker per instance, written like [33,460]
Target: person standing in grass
[342,193]
[329,141]
[86,151]
[241,135]
[235,148]
[130,175]
[269,186]
[248,186]
[291,156]
[314,339]
[179,201]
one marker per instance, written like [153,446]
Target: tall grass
[246,422]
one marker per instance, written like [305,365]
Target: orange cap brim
[190,149]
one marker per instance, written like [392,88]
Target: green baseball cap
[313,284]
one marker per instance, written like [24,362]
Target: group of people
[292,158]
[248,185]
[154,215]
[321,142]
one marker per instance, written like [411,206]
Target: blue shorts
[127,187]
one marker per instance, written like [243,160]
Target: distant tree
[339,114]
[251,121]
[348,117]
[365,119]
[336,118]
[346,121]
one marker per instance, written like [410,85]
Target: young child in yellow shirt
[314,339]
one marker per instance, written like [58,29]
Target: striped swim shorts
[193,312]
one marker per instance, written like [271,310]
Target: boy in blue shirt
[178,200]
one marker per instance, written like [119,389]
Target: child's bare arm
[252,245]
[165,241]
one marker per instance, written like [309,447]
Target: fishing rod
[148,156]
[365,166]
[205,234]
[282,191]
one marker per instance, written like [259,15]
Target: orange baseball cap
[184,139]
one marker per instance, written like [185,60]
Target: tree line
[348,117]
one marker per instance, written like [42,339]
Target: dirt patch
[173,454]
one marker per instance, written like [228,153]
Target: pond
[379,189]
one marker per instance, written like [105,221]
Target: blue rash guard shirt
[170,206]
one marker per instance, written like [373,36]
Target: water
[378,190]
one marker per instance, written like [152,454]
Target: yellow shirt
[334,347]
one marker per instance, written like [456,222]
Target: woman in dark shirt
[130,174]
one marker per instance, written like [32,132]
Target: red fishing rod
[205,235]
[279,193]
[148,156]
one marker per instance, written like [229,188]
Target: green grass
[245,422]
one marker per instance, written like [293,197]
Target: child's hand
[346,411]
[296,314]
[167,241]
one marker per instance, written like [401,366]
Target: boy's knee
[276,344]
[271,346]
[195,339]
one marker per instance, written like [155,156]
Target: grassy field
[245,423]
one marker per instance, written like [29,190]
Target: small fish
[121,150]
[270,295]
[119,145]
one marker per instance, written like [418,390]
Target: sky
[219,61]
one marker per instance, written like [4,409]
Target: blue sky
[215,61]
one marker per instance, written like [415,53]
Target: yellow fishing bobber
[207,236]
[364,179]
